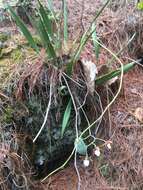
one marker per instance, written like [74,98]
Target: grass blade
[65,15]
[50,5]
[95,40]
[86,36]
[46,40]
[66,117]
[46,20]
[102,79]
[24,29]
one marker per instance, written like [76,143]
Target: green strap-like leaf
[95,40]
[46,20]
[102,79]
[24,29]
[66,117]
[65,14]
[80,146]
[45,38]
[85,37]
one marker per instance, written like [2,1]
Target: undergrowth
[53,101]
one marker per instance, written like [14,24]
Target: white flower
[86,162]
[97,151]
[109,146]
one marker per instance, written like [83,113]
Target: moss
[7,115]
[5,67]
[12,54]
[5,52]
[3,37]
[16,55]
[37,40]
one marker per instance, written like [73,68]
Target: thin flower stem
[46,116]
[113,100]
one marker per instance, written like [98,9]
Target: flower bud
[86,162]
[97,151]
[109,146]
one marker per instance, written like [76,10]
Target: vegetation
[52,96]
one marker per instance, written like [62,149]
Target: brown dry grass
[125,161]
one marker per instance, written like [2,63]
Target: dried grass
[125,162]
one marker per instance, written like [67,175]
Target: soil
[125,161]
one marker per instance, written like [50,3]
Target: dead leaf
[90,71]
[139,114]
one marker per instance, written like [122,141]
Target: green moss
[3,37]
[37,40]
[5,52]
[16,55]
[7,115]
[4,65]
[105,170]
[5,70]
